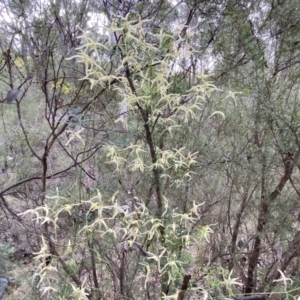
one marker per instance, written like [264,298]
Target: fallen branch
[256,297]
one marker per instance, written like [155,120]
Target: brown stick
[256,297]
[184,286]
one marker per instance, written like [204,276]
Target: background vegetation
[152,151]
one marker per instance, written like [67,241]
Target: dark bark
[262,220]
[97,292]
[184,286]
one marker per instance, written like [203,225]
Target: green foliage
[6,252]
[165,231]
[112,151]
